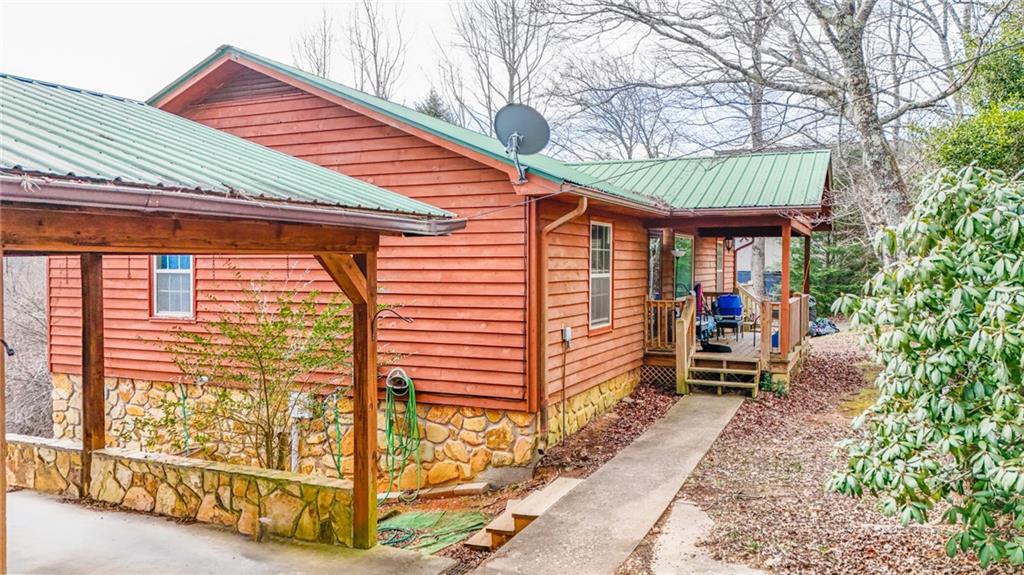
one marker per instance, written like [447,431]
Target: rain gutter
[542,325]
[149,200]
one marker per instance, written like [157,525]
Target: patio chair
[728,311]
[707,324]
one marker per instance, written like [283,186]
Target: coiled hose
[401,434]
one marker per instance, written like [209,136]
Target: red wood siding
[466,292]
[596,358]
[704,265]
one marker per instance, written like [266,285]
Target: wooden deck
[671,350]
[742,350]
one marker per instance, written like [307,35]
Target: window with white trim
[172,286]
[600,274]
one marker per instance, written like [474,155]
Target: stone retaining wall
[48,465]
[303,507]
[457,443]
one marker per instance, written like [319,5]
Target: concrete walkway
[594,528]
[54,537]
[676,551]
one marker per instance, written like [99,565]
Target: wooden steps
[725,372]
[520,513]
[538,502]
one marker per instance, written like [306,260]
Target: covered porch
[692,339]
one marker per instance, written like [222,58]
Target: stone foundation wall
[41,464]
[588,404]
[457,443]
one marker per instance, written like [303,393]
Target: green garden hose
[402,442]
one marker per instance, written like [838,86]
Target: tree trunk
[890,195]
[757,267]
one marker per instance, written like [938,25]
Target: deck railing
[686,343]
[799,316]
[659,325]
[795,327]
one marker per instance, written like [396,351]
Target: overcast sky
[134,49]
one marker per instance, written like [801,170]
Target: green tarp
[429,531]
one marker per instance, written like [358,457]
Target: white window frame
[602,323]
[190,272]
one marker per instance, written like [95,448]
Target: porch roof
[781,179]
[70,146]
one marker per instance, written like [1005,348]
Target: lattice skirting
[661,375]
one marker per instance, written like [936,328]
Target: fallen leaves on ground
[763,480]
[604,437]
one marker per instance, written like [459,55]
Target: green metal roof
[71,134]
[763,179]
[547,167]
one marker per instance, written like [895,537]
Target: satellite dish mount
[522,130]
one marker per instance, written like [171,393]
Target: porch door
[682,255]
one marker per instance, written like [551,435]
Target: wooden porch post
[93,412]
[787,232]
[807,264]
[357,277]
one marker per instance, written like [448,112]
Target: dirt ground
[579,456]
[763,480]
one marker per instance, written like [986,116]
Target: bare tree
[507,47]
[314,48]
[376,49]
[25,331]
[611,114]
[817,50]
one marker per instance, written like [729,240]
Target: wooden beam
[784,303]
[3,428]
[359,276]
[31,229]
[93,412]
[734,232]
[346,273]
[801,226]
[807,264]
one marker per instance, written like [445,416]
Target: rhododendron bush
[946,320]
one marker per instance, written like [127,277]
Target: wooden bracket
[345,272]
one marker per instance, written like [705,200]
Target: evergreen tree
[434,106]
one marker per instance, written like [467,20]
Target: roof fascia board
[201,72]
[167,98]
[223,56]
[154,200]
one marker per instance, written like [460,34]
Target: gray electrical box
[567,335]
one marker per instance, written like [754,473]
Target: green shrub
[946,321]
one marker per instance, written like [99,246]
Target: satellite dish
[523,131]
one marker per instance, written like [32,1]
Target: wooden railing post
[682,354]
[766,331]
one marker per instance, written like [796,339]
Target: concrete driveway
[46,535]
